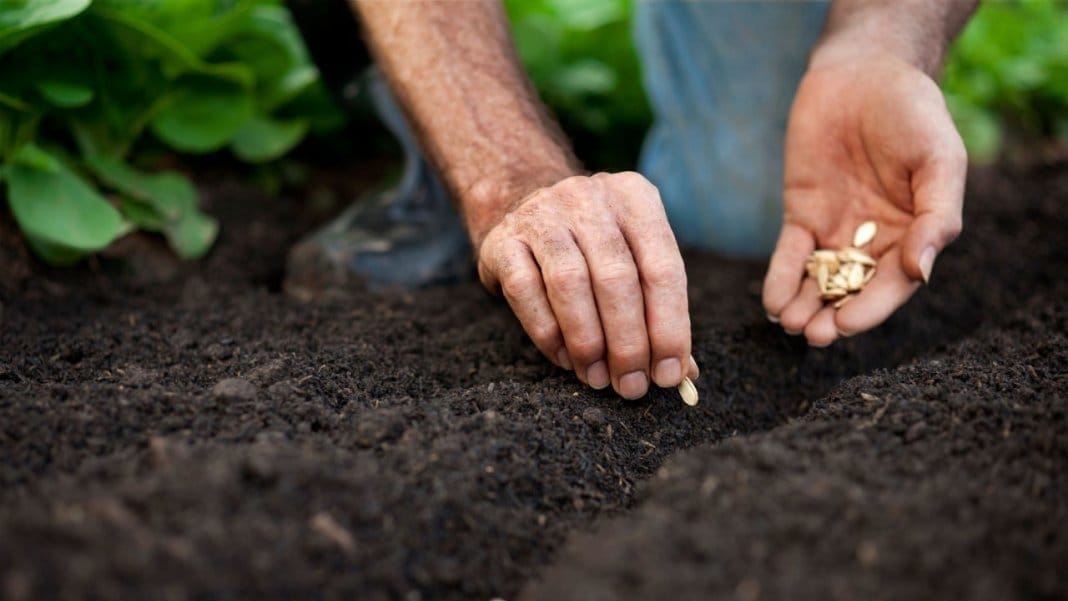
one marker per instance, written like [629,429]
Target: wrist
[485,202]
[861,43]
[917,32]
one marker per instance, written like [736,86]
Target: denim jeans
[720,76]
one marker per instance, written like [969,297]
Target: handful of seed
[688,392]
[841,274]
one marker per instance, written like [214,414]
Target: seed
[829,257]
[839,281]
[855,255]
[868,275]
[688,392]
[855,276]
[842,301]
[865,233]
[822,273]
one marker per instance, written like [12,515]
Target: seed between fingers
[688,392]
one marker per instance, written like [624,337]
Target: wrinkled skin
[592,270]
[868,138]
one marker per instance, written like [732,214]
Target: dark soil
[203,436]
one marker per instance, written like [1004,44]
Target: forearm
[916,31]
[454,68]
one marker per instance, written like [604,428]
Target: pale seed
[855,277]
[855,255]
[842,301]
[865,233]
[688,392]
[829,257]
[822,273]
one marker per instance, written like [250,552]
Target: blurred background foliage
[1006,80]
[580,55]
[98,97]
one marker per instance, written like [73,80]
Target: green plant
[1008,74]
[83,81]
[580,55]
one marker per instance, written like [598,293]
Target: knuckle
[544,333]
[568,280]
[586,349]
[640,183]
[629,353]
[617,275]
[669,274]
[519,285]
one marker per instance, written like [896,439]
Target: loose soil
[199,435]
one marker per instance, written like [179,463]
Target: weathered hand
[592,270]
[869,137]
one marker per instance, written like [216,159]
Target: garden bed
[202,435]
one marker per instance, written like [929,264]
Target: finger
[662,276]
[619,300]
[570,293]
[887,291]
[796,315]
[938,199]
[522,286]
[821,330]
[787,268]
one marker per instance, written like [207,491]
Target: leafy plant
[580,55]
[1008,73]
[84,82]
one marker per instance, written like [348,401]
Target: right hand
[592,270]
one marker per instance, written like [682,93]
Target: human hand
[869,138]
[592,270]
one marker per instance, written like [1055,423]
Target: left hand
[869,138]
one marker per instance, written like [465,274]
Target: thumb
[938,201]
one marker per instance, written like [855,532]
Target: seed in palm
[842,274]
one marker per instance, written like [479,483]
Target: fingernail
[843,334]
[597,375]
[820,345]
[633,385]
[696,371]
[927,258]
[772,318]
[668,372]
[792,332]
[563,358]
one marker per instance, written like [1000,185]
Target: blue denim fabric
[721,76]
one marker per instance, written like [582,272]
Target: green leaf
[192,236]
[156,43]
[22,19]
[203,115]
[262,139]
[198,25]
[65,94]
[56,208]
[33,157]
[163,202]
[270,45]
[141,214]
